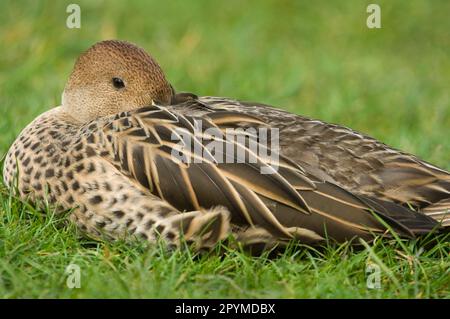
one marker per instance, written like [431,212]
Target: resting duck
[107,154]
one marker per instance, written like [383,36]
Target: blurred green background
[316,58]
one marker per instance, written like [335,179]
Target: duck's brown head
[113,76]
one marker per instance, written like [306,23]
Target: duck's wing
[188,162]
[439,211]
[348,158]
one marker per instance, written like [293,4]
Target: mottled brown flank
[75,169]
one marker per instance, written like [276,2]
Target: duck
[130,158]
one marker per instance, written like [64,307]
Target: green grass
[313,58]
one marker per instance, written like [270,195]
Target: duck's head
[113,76]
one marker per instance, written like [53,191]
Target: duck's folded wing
[191,163]
[439,211]
[351,159]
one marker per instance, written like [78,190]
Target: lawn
[314,58]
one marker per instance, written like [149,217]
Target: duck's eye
[118,83]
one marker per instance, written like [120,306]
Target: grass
[316,59]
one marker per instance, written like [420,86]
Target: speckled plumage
[79,167]
[106,154]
